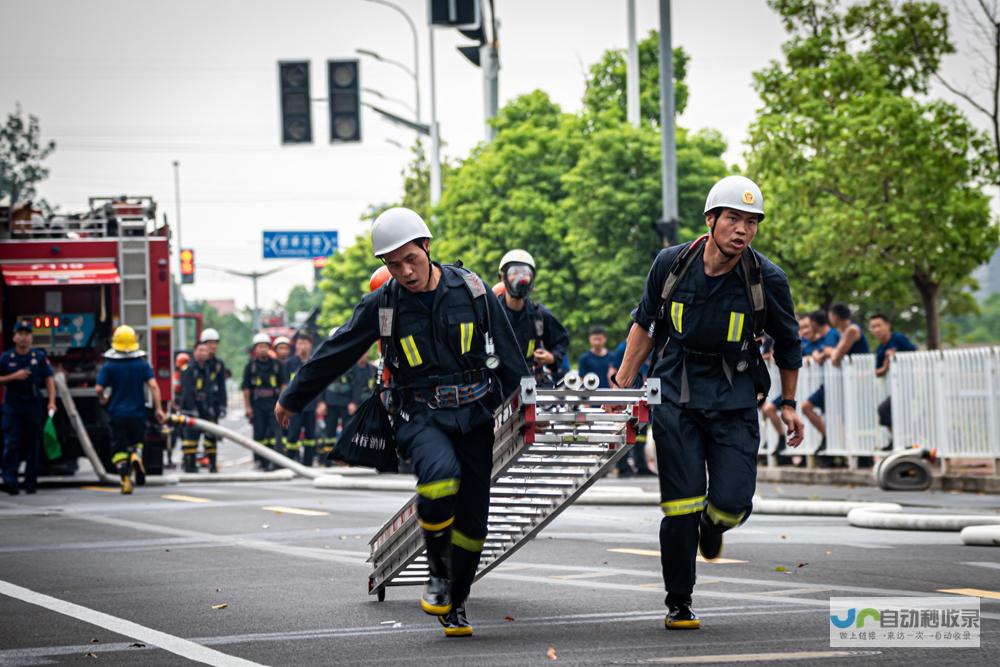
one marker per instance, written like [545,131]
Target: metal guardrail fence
[946,399]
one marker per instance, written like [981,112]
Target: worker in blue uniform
[453,359]
[703,306]
[542,338]
[199,398]
[300,441]
[263,379]
[24,372]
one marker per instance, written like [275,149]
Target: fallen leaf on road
[781,568]
[551,653]
[508,618]
[137,645]
[95,640]
[802,564]
[218,590]
[784,537]
[91,655]
[221,605]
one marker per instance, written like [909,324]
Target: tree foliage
[873,194]
[22,152]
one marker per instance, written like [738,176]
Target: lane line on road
[102,489]
[656,554]
[277,509]
[176,645]
[990,566]
[185,499]
[759,657]
[972,592]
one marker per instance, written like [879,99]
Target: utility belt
[738,360]
[452,396]
[264,392]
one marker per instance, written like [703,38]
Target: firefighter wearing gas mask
[542,339]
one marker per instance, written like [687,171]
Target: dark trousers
[127,436]
[454,469]
[210,442]
[22,440]
[707,464]
[265,430]
[335,414]
[302,433]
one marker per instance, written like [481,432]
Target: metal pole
[182,324]
[256,309]
[416,50]
[489,58]
[632,70]
[669,157]
[435,131]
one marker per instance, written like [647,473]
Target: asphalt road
[87,575]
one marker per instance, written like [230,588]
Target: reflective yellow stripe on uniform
[724,518]
[683,506]
[411,351]
[735,327]
[531,348]
[439,489]
[119,457]
[434,527]
[463,541]
[466,328]
[677,315]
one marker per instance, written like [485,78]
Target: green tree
[982,327]
[605,93]
[301,299]
[868,187]
[22,152]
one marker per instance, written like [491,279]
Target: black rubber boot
[456,623]
[709,539]
[680,616]
[140,470]
[190,465]
[436,599]
[212,467]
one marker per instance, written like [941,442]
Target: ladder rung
[548,470]
[543,482]
[576,450]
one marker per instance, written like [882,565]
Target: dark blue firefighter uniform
[199,398]
[708,420]
[302,425]
[451,447]
[23,414]
[536,328]
[264,380]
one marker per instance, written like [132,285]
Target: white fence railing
[946,399]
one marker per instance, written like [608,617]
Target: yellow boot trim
[682,625]
[683,506]
[119,457]
[126,485]
[723,518]
[439,489]
[433,609]
[455,632]
[463,541]
[435,527]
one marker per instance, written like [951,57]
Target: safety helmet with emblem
[209,335]
[262,338]
[736,192]
[517,271]
[395,227]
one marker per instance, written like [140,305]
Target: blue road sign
[299,245]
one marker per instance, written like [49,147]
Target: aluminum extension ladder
[551,446]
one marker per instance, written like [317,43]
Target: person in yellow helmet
[125,373]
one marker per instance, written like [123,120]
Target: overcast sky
[127,86]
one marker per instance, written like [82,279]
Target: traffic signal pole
[489,58]
[435,133]
[667,226]
[632,70]
[182,332]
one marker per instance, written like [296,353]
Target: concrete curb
[384,483]
[251,476]
[162,480]
[983,536]
[867,518]
[818,507]
[788,475]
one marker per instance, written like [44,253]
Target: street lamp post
[253,276]
[667,226]
[182,331]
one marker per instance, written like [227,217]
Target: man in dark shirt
[302,426]
[198,399]
[263,379]
[542,338]
[24,371]
[127,374]
[454,360]
[597,360]
[889,343]
[708,363]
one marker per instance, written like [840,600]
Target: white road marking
[176,645]
[760,657]
[656,554]
[277,509]
[185,499]
[990,566]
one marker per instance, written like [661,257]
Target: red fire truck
[77,277]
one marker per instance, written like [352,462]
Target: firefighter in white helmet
[263,379]
[704,304]
[453,359]
[542,338]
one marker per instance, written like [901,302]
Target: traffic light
[455,13]
[296,119]
[187,266]
[345,101]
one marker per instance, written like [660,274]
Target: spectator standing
[889,343]
[598,359]
[826,339]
